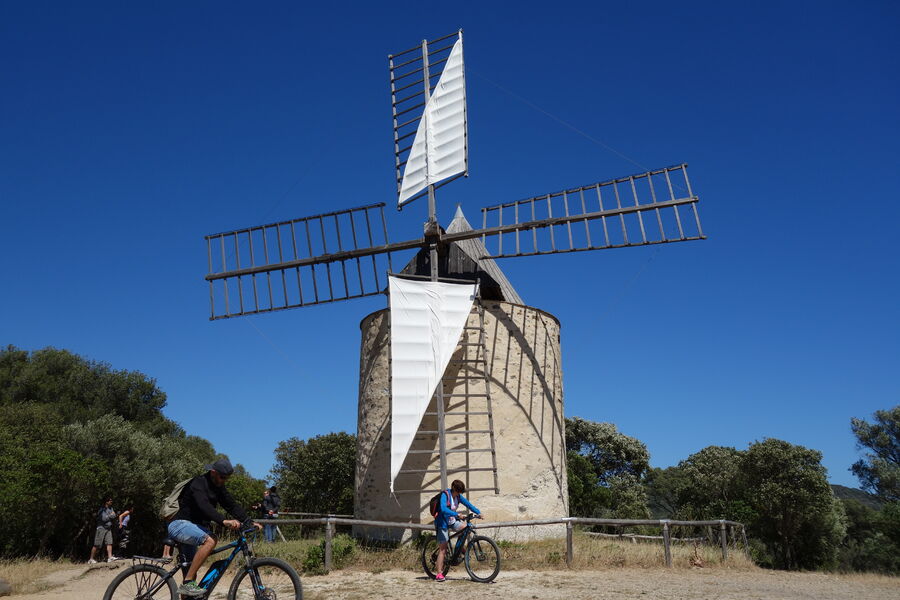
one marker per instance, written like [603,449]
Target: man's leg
[191,536]
[203,552]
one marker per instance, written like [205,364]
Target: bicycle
[482,556]
[257,579]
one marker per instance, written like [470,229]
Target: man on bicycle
[447,519]
[196,510]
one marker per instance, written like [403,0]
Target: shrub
[343,547]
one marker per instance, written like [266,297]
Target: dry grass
[25,575]
[604,553]
[590,554]
[869,579]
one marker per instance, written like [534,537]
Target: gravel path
[658,584]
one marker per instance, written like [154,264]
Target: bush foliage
[73,431]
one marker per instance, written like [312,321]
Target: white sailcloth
[427,319]
[439,148]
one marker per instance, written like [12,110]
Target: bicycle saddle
[169,542]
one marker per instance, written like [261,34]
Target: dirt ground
[658,584]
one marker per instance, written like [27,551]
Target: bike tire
[134,582]
[280,581]
[429,557]
[482,559]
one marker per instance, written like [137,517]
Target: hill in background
[866,499]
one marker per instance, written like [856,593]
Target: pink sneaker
[440,577]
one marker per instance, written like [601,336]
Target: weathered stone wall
[525,369]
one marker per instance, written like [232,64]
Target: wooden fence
[724,527]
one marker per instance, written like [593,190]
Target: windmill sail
[439,149]
[427,319]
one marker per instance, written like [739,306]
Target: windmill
[346,254]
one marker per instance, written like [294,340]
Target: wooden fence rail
[329,522]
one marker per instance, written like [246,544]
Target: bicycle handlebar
[248,526]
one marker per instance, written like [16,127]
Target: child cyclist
[447,519]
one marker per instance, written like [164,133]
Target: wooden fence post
[723,536]
[744,537]
[329,534]
[570,545]
[667,543]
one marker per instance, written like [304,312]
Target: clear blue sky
[128,131]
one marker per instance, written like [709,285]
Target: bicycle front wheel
[142,582]
[482,559]
[429,557]
[266,579]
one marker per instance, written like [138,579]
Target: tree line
[777,489]
[73,430]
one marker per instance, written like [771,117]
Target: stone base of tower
[525,375]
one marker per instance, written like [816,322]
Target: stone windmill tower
[459,378]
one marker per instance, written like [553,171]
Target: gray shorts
[103,536]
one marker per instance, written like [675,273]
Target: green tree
[664,491]
[72,431]
[872,542]
[586,497]
[244,488]
[81,389]
[317,475]
[609,451]
[797,516]
[713,486]
[45,485]
[879,470]
[605,468]
[628,497]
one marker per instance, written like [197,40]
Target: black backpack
[434,505]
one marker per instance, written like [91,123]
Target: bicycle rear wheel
[136,583]
[276,580]
[482,559]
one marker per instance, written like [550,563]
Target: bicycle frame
[462,536]
[239,546]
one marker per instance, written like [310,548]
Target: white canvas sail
[427,319]
[439,148]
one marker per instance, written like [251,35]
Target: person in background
[125,529]
[106,516]
[270,505]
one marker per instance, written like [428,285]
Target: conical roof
[466,259]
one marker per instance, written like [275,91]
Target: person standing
[270,505]
[125,529]
[103,536]
[447,519]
